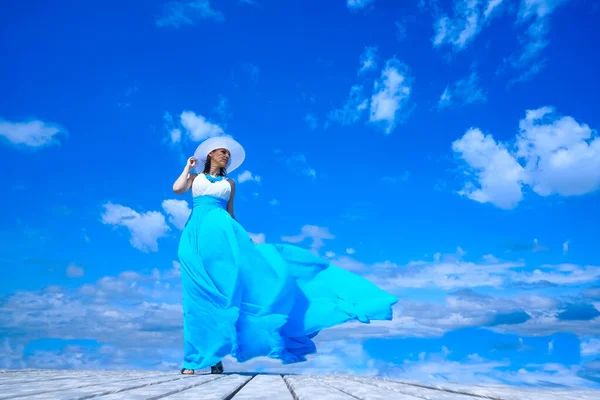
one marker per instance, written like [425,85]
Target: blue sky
[446,150]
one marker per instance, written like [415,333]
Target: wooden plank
[157,391]
[88,386]
[495,392]
[79,375]
[523,393]
[265,387]
[401,389]
[311,388]
[364,392]
[221,389]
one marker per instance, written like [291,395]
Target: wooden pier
[137,385]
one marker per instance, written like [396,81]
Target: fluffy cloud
[368,60]
[551,154]
[33,134]
[178,211]
[355,106]
[469,18]
[535,15]
[73,271]
[258,238]
[358,4]
[389,100]
[298,163]
[562,156]
[125,316]
[195,127]
[177,13]
[462,92]
[315,234]
[391,94]
[144,228]
[198,127]
[497,173]
[247,176]
[311,121]
[590,347]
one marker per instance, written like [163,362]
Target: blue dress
[248,300]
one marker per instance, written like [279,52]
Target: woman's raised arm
[185,180]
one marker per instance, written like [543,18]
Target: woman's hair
[222,172]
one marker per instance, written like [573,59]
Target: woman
[248,300]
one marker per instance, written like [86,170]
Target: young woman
[248,300]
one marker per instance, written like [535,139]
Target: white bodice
[203,187]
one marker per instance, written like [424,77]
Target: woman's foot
[217,368]
[186,371]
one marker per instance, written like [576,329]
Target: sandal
[217,368]
[187,371]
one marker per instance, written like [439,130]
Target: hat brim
[237,152]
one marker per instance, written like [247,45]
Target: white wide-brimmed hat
[238,154]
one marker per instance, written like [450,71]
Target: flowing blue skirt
[248,300]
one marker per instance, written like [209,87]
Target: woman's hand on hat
[191,163]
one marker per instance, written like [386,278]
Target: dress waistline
[209,201]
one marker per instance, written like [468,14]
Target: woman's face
[220,157]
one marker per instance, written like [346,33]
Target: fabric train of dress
[248,300]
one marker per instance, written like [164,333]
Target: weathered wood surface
[137,385]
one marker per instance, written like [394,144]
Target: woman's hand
[191,163]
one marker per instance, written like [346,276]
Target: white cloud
[462,92]
[222,109]
[273,202]
[470,17]
[350,251]
[560,156]
[329,254]
[144,228]
[368,59]
[482,378]
[561,274]
[565,247]
[178,212]
[73,271]
[299,163]
[175,135]
[198,127]
[248,176]
[391,94]
[389,100]
[400,30]
[590,347]
[186,12]
[258,238]
[34,133]
[311,120]
[316,234]
[497,174]
[528,60]
[358,4]
[355,106]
